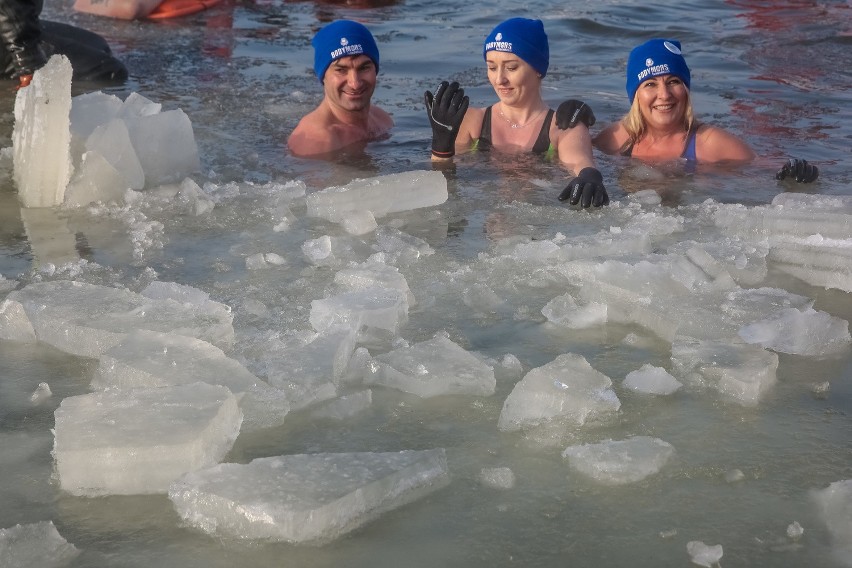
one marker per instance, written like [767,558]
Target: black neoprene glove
[573,111]
[446,110]
[800,170]
[586,189]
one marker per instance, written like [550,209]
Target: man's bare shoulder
[313,135]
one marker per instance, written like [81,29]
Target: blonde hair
[634,124]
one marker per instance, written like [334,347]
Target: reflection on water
[243,74]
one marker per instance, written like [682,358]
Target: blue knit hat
[525,38]
[653,58]
[342,38]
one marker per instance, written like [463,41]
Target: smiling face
[349,83]
[513,79]
[663,101]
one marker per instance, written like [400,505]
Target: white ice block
[816,260]
[90,110]
[112,141]
[799,332]
[37,545]
[165,146]
[740,372]
[308,371]
[41,138]
[432,368]
[834,507]
[86,319]
[374,274]
[95,179]
[14,323]
[305,498]
[703,554]
[373,307]
[619,462]
[497,477]
[651,380]
[135,105]
[566,390]
[126,442]
[380,195]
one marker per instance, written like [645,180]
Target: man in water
[26,43]
[346,61]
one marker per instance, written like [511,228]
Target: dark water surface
[778,73]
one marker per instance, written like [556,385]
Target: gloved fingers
[588,193]
[429,99]
[464,104]
[806,172]
[440,91]
[457,99]
[567,193]
[600,198]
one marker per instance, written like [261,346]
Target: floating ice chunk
[434,367]
[128,442]
[38,545]
[402,245]
[194,200]
[186,295]
[135,105]
[86,319]
[90,110]
[816,260]
[800,332]
[741,372]
[112,141]
[564,310]
[497,477]
[834,505]
[373,307]
[329,251]
[263,260]
[704,555]
[567,390]
[358,222]
[41,394]
[42,135]
[149,359]
[380,195]
[95,179]
[651,380]
[795,531]
[620,462]
[374,274]
[309,371]
[14,323]
[305,498]
[345,406]
[165,146]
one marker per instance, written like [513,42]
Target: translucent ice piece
[620,462]
[651,380]
[38,545]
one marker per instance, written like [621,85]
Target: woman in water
[517,56]
[661,125]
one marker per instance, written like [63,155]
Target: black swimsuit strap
[542,143]
[485,131]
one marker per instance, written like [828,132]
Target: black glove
[800,170]
[573,111]
[586,189]
[446,110]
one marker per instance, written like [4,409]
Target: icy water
[778,73]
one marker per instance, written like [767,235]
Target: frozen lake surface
[479,414]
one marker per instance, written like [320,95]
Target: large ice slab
[741,372]
[566,390]
[138,441]
[165,146]
[800,332]
[42,135]
[37,545]
[150,359]
[619,462]
[305,498]
[430,368]
[380,195]
[373,307]
[86,319]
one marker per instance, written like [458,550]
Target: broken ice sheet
[305,498]
[621,461]
[37,545]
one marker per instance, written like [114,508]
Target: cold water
[777,73]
